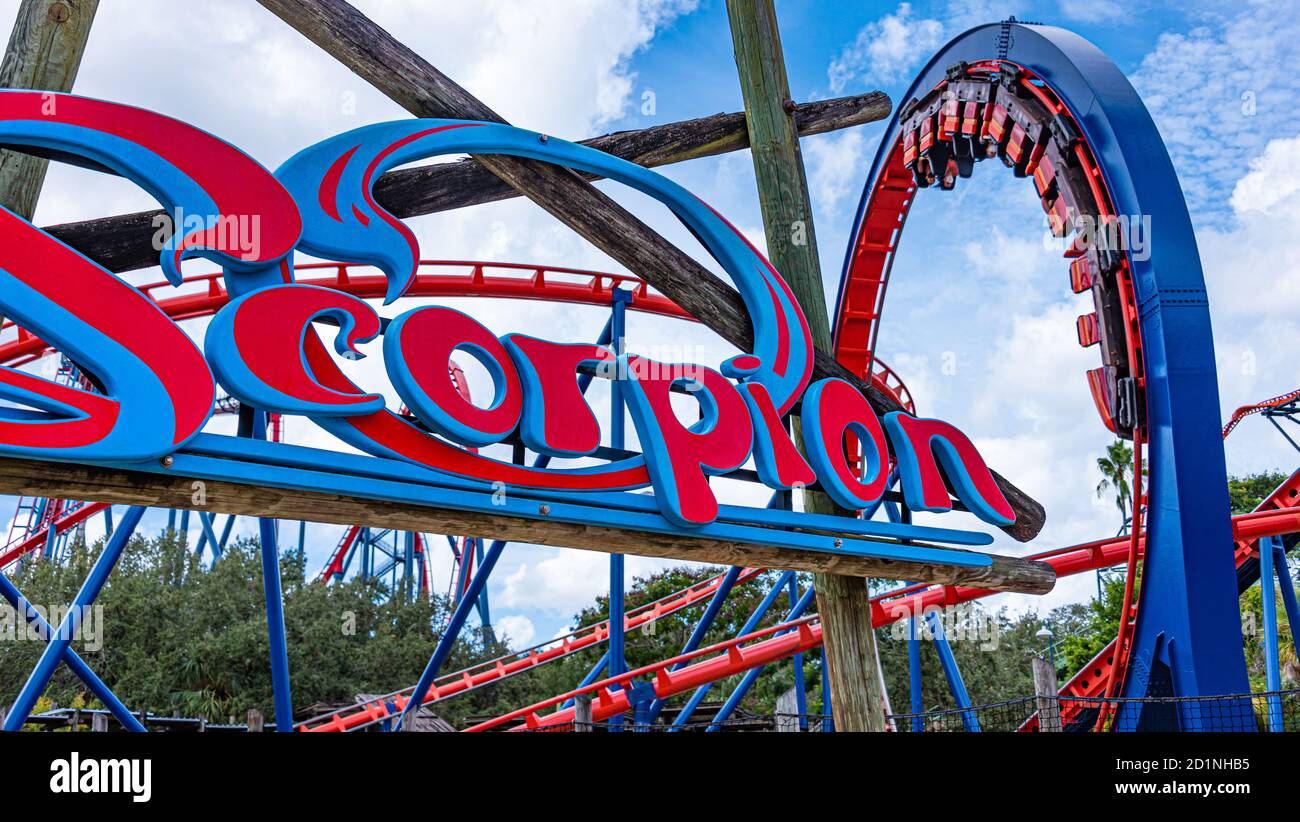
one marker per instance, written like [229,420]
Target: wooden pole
[409,80]
[582,721]
[36,478]
[125,242]
[1045,691]
[256,721]
[99,723]
[842,601]
[44,53]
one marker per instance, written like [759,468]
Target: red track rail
[476,676]
[1246,410]
[1276,515]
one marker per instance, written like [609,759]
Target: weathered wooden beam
[409,80]
[44,53]
[842,601]
[125,242]
[83,482]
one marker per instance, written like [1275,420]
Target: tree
[179,638]
[1116,470]
[1247,492]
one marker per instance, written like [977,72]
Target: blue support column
[750,626]
[751,676]
[1268,598]
[484,614]
[914,672]
[617,655]
[1288,592]
[828,717]
[454,625]
[57,647]
[274,596]
[208,535]
[108,522]
[956,684]
[800,696]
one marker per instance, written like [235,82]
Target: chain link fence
[1271,711]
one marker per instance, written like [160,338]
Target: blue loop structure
[1187,639]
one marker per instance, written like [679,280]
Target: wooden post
[1045,691]
[44,53]
[410,81]
[842,601]
[99,723]
[582,721]
[787,712]
[256,722]
[408,722]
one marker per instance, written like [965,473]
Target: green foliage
[181,639]
[1246,493]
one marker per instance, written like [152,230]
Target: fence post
[255,721]
[408,722]
[582,713]
[1045,688]
[99,723]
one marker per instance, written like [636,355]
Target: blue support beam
[750,626]
[59,643]
[75,662]
[751,676]
[1268,599]
[454,626]
[274,596]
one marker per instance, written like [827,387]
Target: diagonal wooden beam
[125,242]
[409,80]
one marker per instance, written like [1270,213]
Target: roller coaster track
[1054,110]
[495,670]
[886,609]
[782,641]
[996,108]
[1259,407]
[1277,515]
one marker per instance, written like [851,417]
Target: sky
[975,286]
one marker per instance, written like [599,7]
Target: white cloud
[837,165]
[1219,93]
[885,49]
[517,629]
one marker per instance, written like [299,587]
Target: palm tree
[1116,469]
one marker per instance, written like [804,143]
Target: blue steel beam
[751,676]
[749,627]
[56,649]
[75,662]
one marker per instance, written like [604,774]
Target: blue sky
[974,283]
